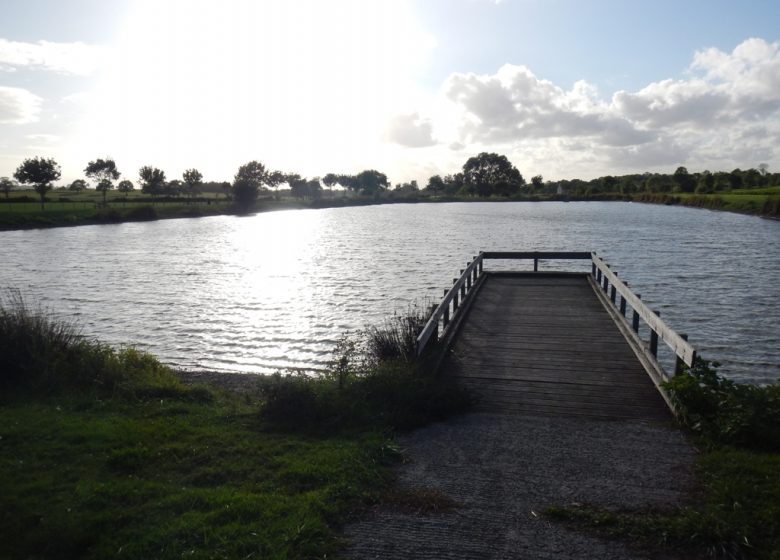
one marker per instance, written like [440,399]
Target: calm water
[275,290]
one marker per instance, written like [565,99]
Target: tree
[330,180]
[490,173]
[152,180]
[684,180]
[253,172]
[39,172]
[371,181]
[537,181]
[78,185]
[125,186]
[435,184]
[104,173]
[173,188]
[247,183]
[7,185]
[192,180]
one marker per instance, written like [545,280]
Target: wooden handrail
[681,347]
[603,276]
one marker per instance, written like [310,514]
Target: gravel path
[504,470]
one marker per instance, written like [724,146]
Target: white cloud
[18,106]
[69,58]
[724,112]
[410,131]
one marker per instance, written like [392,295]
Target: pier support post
[446,316]
[654,338]
[678,363]
[635,318]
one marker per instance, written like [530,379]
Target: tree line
[484,175]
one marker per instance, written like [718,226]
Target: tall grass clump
[374,381]
[396,339]
[45,354]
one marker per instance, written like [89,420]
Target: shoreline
[41,221]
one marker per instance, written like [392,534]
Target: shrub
[40,353]
[372,381]
[725,411]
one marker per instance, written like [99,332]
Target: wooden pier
[553,343]
[570,411]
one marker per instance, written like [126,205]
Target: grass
[104,453]
[736,513]
[764,202]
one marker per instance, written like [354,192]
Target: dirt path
[504,470]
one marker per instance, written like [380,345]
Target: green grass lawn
[174,478]
[105,453]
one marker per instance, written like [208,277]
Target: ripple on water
[275,291]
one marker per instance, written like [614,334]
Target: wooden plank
[546,345]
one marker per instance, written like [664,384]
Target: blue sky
[564,88]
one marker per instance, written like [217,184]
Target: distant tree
[735,179]
[607,184]
[7,185]
[125,186]
[104,173]
[39,172]
[537,181]
[371,182]
[435,184]
[330,180]
[685,181]
[78,185]
[152,180]
[247,183]
[454,184]
[275,178]
[174,188]
[490,173]
[706,182]
[763,168]
[253,172]
[193,179]
[301,187]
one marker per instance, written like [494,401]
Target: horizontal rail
[453,296]
[605,278]
[660,330]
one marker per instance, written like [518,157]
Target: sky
[564,88]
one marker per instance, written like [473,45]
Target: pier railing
[447,314]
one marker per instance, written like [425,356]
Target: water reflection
[275,290]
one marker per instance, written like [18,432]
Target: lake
[274,291]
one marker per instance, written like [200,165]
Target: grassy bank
[760,202]
[735,511]
[85,208]
[104,453]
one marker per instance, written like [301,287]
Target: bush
[372,381]
[724,411]
[42,354]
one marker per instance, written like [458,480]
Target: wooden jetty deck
[553,343]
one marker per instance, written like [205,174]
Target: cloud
[724,111]
[18,106]
[410,131]
[68,58]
